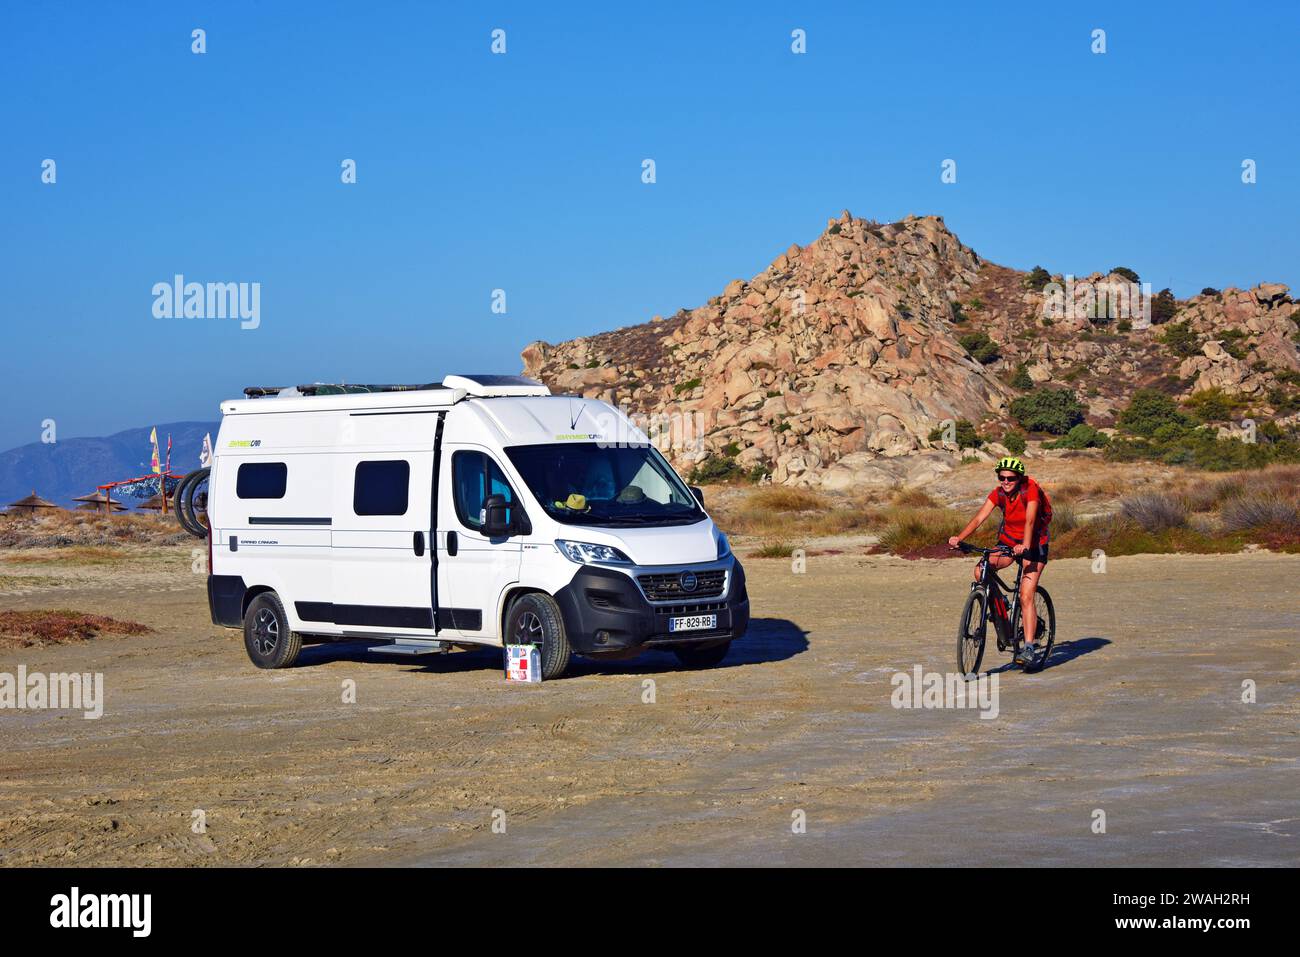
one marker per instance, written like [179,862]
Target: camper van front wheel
[535,619]
[269,641]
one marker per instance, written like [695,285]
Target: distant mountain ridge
[69,467]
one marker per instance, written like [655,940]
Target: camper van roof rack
[482,386]
[331,388]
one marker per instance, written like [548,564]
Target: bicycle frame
[1004,615]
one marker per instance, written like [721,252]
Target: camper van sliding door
[381,549]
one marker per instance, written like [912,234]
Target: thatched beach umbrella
[97,507]
[154,504]
[29,504]
[99,502]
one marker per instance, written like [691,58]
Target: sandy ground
[1139,715]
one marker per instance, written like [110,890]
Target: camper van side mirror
[698,493]
[496,517]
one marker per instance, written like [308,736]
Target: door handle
[452,543]
[417,543]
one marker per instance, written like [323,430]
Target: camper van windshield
[589,484]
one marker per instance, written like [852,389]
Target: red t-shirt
[1013,512]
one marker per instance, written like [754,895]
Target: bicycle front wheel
[1046,627]
[970,634]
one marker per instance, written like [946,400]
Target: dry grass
[914,498]
[778,498]
[1160,512]
[71,555]
[1154,511]
[916,532]
[56,528]
[15,582]
[26,629]
[1064,518]
[1253,511]
[774,550]
[783,514]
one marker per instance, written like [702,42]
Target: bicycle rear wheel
[971,632]
[1046,630]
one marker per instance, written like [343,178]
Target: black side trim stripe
[388,616]
[273,520]
[378,616]
[462,619]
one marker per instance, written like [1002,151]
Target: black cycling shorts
[1036,554]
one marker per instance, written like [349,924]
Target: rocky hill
[836,364]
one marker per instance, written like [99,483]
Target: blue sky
[523,171]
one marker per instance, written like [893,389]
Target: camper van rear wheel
[269,641]
[535,619]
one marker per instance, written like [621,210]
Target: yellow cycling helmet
[1011,464]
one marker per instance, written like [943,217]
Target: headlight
[724,546]
[588,553]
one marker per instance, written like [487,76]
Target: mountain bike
[988,602]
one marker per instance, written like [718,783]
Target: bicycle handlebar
[972,549]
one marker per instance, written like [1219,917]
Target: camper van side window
[381,488]
[261,480]
[475,476]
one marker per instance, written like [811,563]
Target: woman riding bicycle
[1026,513]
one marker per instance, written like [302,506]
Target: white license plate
[693,623]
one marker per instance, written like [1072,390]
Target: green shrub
[1180,339]
[1127,273]
[593,363]
[967,438]
[1048,410]
[714,468]
[1082,436]
[1149,411]
[1014,442]
[1124,325]
[1210,291]
[687,386]
[1215,405]
[1163,307]
[1021,379]
[964,434]
[1037,278]
[1233,344]
[1283,402]
[981,348]
[957,314]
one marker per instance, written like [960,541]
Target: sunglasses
[1008,478]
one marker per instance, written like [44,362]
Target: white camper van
[479,511]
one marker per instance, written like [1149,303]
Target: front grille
[679,611]
[667,586]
